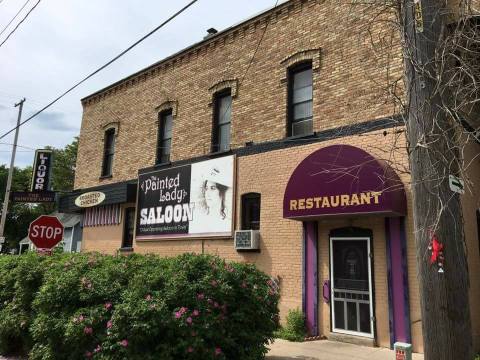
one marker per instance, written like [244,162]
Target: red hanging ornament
[437,252]
[437,248]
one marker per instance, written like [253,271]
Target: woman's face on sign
[212,194]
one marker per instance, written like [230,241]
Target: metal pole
[10,174]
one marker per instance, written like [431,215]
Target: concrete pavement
[328,350]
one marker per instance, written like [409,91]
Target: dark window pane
[224,109]
[128,227]
[109,151]
[224,137]
[302,94]
[365,318]
[300,100]
[221,126]
[251,211]
[167,126]
[352,316]
[302,111]
[350,265]
[339,315]
[302,78]
[165,137]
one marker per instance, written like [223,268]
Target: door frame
[370,285]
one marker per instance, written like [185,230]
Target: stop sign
[45,232]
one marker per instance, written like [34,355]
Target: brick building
[281,124]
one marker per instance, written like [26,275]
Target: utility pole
[444,296]
[10,172]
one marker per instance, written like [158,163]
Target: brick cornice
[227,36]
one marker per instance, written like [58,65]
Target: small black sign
[42,168]
[32,197]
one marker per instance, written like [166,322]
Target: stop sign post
[45,232]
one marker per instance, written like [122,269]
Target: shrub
[137,307]
[20,279]
[294,329]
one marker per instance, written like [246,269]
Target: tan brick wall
[281,239]
[104,239]
[348,87]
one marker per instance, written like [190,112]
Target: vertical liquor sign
[42,170]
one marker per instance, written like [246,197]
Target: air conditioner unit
[247,240]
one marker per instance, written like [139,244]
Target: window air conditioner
[247,240]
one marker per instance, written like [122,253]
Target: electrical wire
[21,21]
[102,67]
[19,11]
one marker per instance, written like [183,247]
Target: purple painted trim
[304,267]
[406,293]
[390,289]
[310,288]
[397,280]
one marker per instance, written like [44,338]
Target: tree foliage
[20,215]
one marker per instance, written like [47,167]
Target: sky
[62,41]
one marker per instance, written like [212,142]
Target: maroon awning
[343,180]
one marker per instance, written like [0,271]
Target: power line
[22,146]
[21,21]
[103,67]
[19,11]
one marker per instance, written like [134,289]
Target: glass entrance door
[351,286]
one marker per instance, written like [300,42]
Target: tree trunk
[444,298]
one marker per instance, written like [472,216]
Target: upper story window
[222,121]
[165,125]
[251,211]
[108,152]
[300,100]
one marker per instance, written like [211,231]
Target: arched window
[165,125]
[300,99]
[222,121]
[108,152]
[251,211]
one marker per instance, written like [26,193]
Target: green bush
[81,306]
[294,329]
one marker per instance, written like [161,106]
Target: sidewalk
[328,350]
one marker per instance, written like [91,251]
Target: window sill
[103,177]
[309,135]
[220,153]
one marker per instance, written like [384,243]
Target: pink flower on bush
[107,306]
[124,343]
[148,297]
[109,324]
[244,285]
[218,351]
[210,301]
[183,310]
[88,330]
[195,313]
[81,318]
[200,296]
[189,320]
[97,349]
[178,315]
[215,304]
[190,349]
[214,283]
